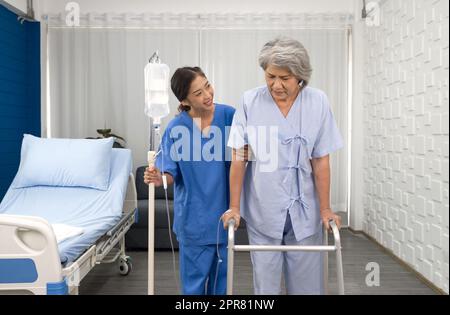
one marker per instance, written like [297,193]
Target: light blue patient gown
[279,201]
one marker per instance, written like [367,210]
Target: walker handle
[231,223]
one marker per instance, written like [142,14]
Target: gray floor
[358,251]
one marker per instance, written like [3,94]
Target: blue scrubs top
[279,178]
[200,165]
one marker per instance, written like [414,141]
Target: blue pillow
[64,163]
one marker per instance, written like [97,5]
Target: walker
[284,248]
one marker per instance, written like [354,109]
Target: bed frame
[29,256]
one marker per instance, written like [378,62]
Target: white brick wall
[406,153]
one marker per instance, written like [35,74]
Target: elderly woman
[285,199]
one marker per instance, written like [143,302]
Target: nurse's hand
[327,215]
[231,214]
[153,175]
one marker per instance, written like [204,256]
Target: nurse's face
[283,85]
[201,95]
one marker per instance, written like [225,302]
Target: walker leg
[325,262]
[230,266]
[340,270]
[339,267]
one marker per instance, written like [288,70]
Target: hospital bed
[31,259]
[319,248]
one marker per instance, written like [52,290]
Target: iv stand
[151,226]
[155,138]
[151,156]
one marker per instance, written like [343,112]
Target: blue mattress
[93,210]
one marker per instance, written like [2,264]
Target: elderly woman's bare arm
[321,170]
[237,170]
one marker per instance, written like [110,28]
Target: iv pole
[151,200]
[151,227]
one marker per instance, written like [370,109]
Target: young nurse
[194,159]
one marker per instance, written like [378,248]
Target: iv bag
[157,91]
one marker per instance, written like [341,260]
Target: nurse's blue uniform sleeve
[164,161]
[238,133]
[329,138]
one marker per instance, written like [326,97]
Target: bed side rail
[117,233]
[29,255]
[130,202]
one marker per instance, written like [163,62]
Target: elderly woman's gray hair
[287,53]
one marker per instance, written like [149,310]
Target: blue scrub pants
[303,271]
[198,269]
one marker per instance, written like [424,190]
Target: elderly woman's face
[283,85]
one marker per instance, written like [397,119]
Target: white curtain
[96,71]
[97,80]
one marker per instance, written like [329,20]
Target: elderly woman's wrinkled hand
[231,214]
[328,215]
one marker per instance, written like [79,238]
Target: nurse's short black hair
[181,83]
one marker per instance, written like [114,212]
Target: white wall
[357,124]
[202,6]
[406,144]
[20,5]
